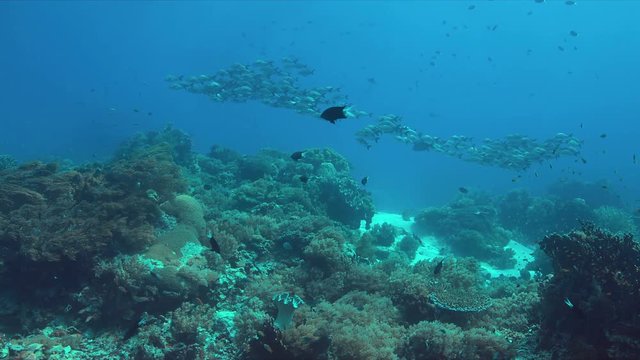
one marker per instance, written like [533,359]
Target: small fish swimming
[463,190]
[297,155]
[573,33]
[304,179]
[364,180]
[333,114]
[568,303]
[207,187]
[603,135]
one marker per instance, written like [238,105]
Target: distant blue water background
[72,73]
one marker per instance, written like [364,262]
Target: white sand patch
[430,245]
[523,255]
[429,248]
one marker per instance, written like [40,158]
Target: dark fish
[304,179]
[364,180]
[371,81]
[214,244]
[471,7]
[603,135]
[132,330]
[560,48]
[334,113]
[438,268]
[584,161]
[297,155]
[570,2]
[634,158]
[463,190]
[539,1]
[136,110]
[149,113]
[573,33]
[207,187]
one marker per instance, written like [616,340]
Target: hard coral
[596,281]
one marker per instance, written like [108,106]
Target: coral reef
[7,162]
[596,281]
[534,217]
[469,227]
[615,220]
[161,253]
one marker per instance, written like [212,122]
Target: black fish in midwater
[214,244]
[304,179]
[603,135]
[297,155]
[364,180]
[463,190]
[334,113]
[438,268]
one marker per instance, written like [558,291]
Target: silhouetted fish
[334,113]
[207,187]
[297,155]
[364,180]
[463,190]
[304,179]
[603,135]
[214,244]
[438,268]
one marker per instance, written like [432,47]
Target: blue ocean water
[173,249]
[73,73]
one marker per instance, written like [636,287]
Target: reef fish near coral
[334,113]
[297,155]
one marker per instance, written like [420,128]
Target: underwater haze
[73,73]
[177,151]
